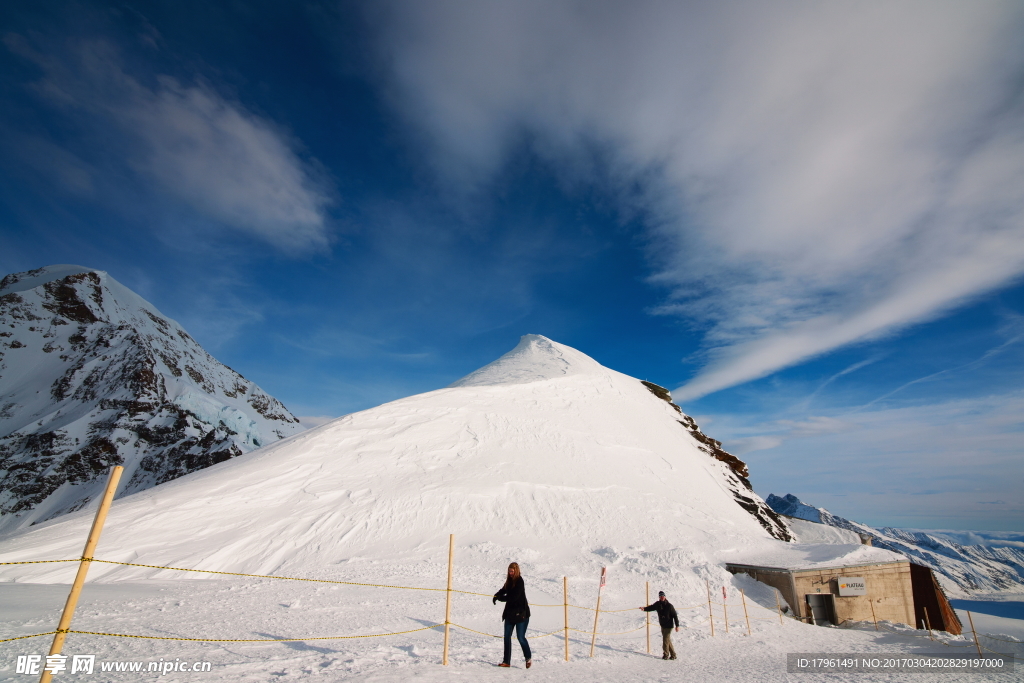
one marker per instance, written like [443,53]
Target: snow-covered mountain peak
[21,282]
[791,506]
[91,375]
[535,359]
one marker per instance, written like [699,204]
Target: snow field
[261,608]
[1001,634]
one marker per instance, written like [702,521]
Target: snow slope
[543,457]
[962,569]
[815,532]
[92,375]
[544,449]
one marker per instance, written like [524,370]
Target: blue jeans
[520,630]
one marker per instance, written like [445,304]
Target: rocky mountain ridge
[738,473]
[963,569]
[92,375]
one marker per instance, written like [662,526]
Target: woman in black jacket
[516,614]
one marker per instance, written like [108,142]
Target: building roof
[804,556]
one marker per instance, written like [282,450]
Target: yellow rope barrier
[911,635]
[766,609]
[532,604]
[1003,654]
[267,576]
[328,581]
[425,628]
[251,640]
[491,635]
[561,630]
[628,609]
[618,633]
[34,635]
[466,628]
[1002,640]
[295,578]
[545,635]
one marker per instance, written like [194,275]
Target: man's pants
[666,642]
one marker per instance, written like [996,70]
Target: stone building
[832,595]
[873,591]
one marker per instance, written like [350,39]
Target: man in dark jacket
[666,617]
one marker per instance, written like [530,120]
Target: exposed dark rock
[270,408]
[743,492]
[662,393]
[64,299]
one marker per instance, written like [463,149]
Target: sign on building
[852,585]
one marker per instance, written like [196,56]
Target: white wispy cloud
[203,149]
[813,174]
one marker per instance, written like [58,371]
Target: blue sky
[805,219]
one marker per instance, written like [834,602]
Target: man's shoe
[505,665]
[529,662]
[672,657]
[664,656]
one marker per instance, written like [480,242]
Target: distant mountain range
[92,375]
[963,569]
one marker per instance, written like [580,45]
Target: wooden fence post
[647,599]
[711,614]
[872,603]
[83,567]
[778,605]
[725,609]
[597,611]
[448,599]
[977,643]
[565,604]
[746,616]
